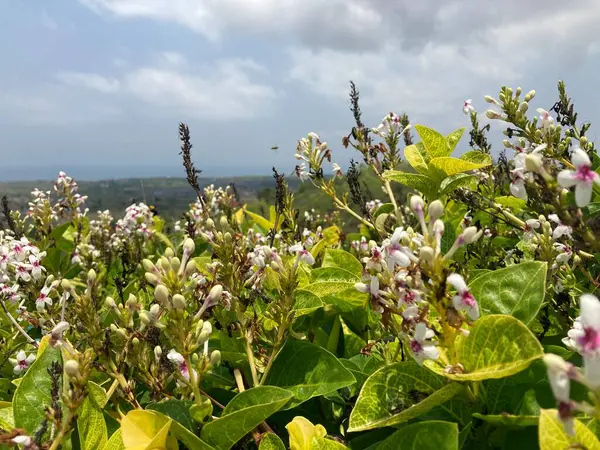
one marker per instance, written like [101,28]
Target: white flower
[574,336]
[583,178]
[302,254]
[43,300]
[390,126]
[56,335]
[421,345]
[468,107]
[337,170]
[179,361]
[545,117]
[565,253]
[530,226]
[517,185]
[558,376]
[301,172]
[36,267]
[411,313]
[396,253]
[463,300]
[561,230]
[22,362]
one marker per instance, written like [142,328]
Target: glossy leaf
[397,393]
[302,432]
[307,371]
[429,435]
[342,260]
[178,410]
[477,157]
[552,435]
[244,413]
[434,142]
[32,395]
[452,166]
[517,290]
[7,418]
[415,159]
[189,439]
[421,183]
[115,442]
[453,138]
[453,182]
[265,224]
[327,444]
[508,420]
[497,346]
[271,441]
[91,425]
[305,302]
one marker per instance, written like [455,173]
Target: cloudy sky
[99,86]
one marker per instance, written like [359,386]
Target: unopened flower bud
[72,368]
[161,294]
[426,254]
[66,284]
[490,99]
[216,294]
[155,310]
[110,302]
[113,328]
[438,227]
[175,264]
[436,210]
[274,266]
[195,358]
[135,341]
[91,275]
[491,114]
[179,301]
[583,141]
[169,253]
[507,143]
[227,236]
[144,317]
[190,268]
[148,265]
[206,326]
[151,278]
[533,163]
[530,95]
[215,358]
[189,246]
[223,222]
[556,364]
[203,337]
[131,301]
[470,235]
[164,263]
[210,224]
[157,352]
[416,204]
[523,107]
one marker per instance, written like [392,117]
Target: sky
[98,87]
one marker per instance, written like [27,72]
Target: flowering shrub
[461,315]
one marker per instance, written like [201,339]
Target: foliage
[454,313]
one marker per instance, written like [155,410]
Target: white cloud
[93,81]
[222,91]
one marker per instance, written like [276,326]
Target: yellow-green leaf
[434,142]
[144,430]
[415,159]
[498,346]
[477,157]
[265,224]
[115,442]
[7,419]
[91,425]
[453,138]
[302,431]
[552,435]
[270,441]
[331,236]
[451,166]
[419,182]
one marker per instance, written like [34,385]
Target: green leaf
[244,413]
[508,420]
[477,157]
[305,302]
[331,236]
[91,425]
[514,203]
[415,159]
[307,370]
[7,418]
[453,138]
[32,395]
[342,260]
[333,274]
[189,439]
[178,410]
[259,220]
[452,166]
[326,444]
[115,442]
[398,393]
[498,346]
[430,435]
[271,441]
[434,142]
[552,435]
[453,182]
[516,290]
[421,183]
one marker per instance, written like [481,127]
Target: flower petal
[590,311]
[580,158]
[583,194]
[458,282]
[567,178]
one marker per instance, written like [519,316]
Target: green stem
[251,359]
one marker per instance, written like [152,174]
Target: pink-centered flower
[545,117]
[302,254]
[463,300]
[22,361]
[421,346]
[179,361]
[468,108]
[583,177]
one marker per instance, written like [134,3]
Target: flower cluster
[136,222]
